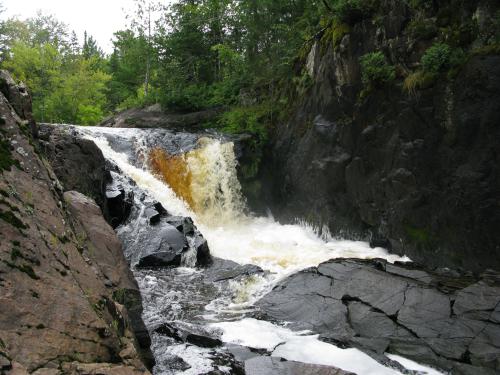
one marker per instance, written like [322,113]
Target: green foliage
[436,58]
[251,119]
[352,11]
[334,34]
[68,83]
[441,57]
[375,71]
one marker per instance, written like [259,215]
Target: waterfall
[196,176]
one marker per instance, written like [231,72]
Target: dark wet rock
[450,322]
[154,213]
[279,366]
[203,257]
[164,248]
[183,224]
[78,163]
[189,334]
[421,170]
[223,269]
[118,202]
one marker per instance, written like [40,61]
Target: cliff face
[419,171]
[63,278]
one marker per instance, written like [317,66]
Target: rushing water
[217,208]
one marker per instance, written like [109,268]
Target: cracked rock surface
[441,318]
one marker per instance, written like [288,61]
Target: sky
[100,18]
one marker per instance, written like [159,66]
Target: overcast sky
[99,17]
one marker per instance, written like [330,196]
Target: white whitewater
[231,234]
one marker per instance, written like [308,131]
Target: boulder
[162,248]
[446,320]
[189,334]
[78,163]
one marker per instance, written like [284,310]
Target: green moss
[419,236]
[15,253]
[6,160]
[333,35]
[9,217]
[4,193]
[16,243]
[491,49]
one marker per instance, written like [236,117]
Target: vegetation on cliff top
[247,56]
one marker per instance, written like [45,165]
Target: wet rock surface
[152,237]
[278,366]
[442,318]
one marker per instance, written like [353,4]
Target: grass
[418,80]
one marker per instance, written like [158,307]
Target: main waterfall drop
[195,176]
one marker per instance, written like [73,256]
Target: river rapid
[200,181]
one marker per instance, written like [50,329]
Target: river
[207,190]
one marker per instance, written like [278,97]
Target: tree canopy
[191,55]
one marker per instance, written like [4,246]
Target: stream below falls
[196,177]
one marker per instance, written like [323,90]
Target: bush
[352,11]
[436,58]
[441,57]
[252,119]
[375,71]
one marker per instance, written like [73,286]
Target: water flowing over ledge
[206,189]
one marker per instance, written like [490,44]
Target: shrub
[375,71]
[436,58]
[441,57]
[352,11]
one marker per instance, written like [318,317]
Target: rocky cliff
[68,302]
[415,170]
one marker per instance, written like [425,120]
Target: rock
[165,248]
[183,224]
[112,264]
[60,264]
[154,117]
[420,170]
[155,212]
[78,163]
[223,270]
[17,95]
[445,321]
[189,334]
[278,366]
[118,204]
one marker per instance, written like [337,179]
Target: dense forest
[245,56]
[192,55]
